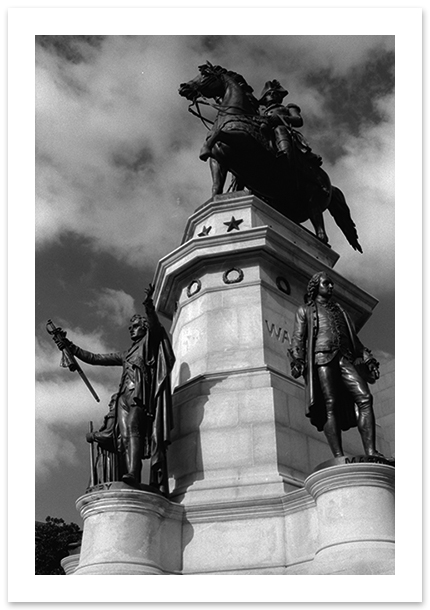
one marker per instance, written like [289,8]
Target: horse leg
[211,139]
[219,175]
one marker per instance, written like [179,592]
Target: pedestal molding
[148,567]
[70,563]
[350,475]
[276,506]
[220,375]
[122,500]
[360,541]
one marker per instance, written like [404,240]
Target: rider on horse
[282,120]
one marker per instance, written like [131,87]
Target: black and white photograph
[222,238]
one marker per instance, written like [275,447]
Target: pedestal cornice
[197,253]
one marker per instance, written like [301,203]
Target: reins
[198,113]
[218,108]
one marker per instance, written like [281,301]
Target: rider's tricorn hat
[272,85]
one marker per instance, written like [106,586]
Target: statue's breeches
[131,423]
[340,372]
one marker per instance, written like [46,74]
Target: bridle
[204,101]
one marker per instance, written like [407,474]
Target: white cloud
[117,150]
[115,305]
[365,174]
[52,450]
[63,406]
[69,402]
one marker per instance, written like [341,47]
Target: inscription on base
[278,332]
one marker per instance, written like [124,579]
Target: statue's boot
[366,427]
[159,478]
[332,435]
[134,454]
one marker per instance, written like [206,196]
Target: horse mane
[246,88]
[238,78]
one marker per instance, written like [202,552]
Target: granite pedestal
[129,531]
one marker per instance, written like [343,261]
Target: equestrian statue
[257,141]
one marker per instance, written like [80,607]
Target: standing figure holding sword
[142,409]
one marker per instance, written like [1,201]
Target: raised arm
[151,316]
[112,359]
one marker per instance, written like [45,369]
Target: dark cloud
[70,276]
[75,49]
[350,101]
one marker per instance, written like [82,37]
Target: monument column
[231,290]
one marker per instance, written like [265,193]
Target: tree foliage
[52,540]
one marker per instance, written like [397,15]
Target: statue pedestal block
[129,531]
[232,289]
[241,445]
[355,508]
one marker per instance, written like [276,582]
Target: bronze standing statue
[139,421]
[241,141]
[336,368]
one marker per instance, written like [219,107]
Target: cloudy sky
[118,174]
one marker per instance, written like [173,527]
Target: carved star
[233,224]
[204,231]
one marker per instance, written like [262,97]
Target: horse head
[209,83]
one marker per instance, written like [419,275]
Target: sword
[92,469]
[68,359]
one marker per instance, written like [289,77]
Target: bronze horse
[238,142]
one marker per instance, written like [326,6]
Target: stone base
[276,535]
[342,523]
[129,531]
[355,508]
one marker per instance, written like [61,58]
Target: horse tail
[339,209]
